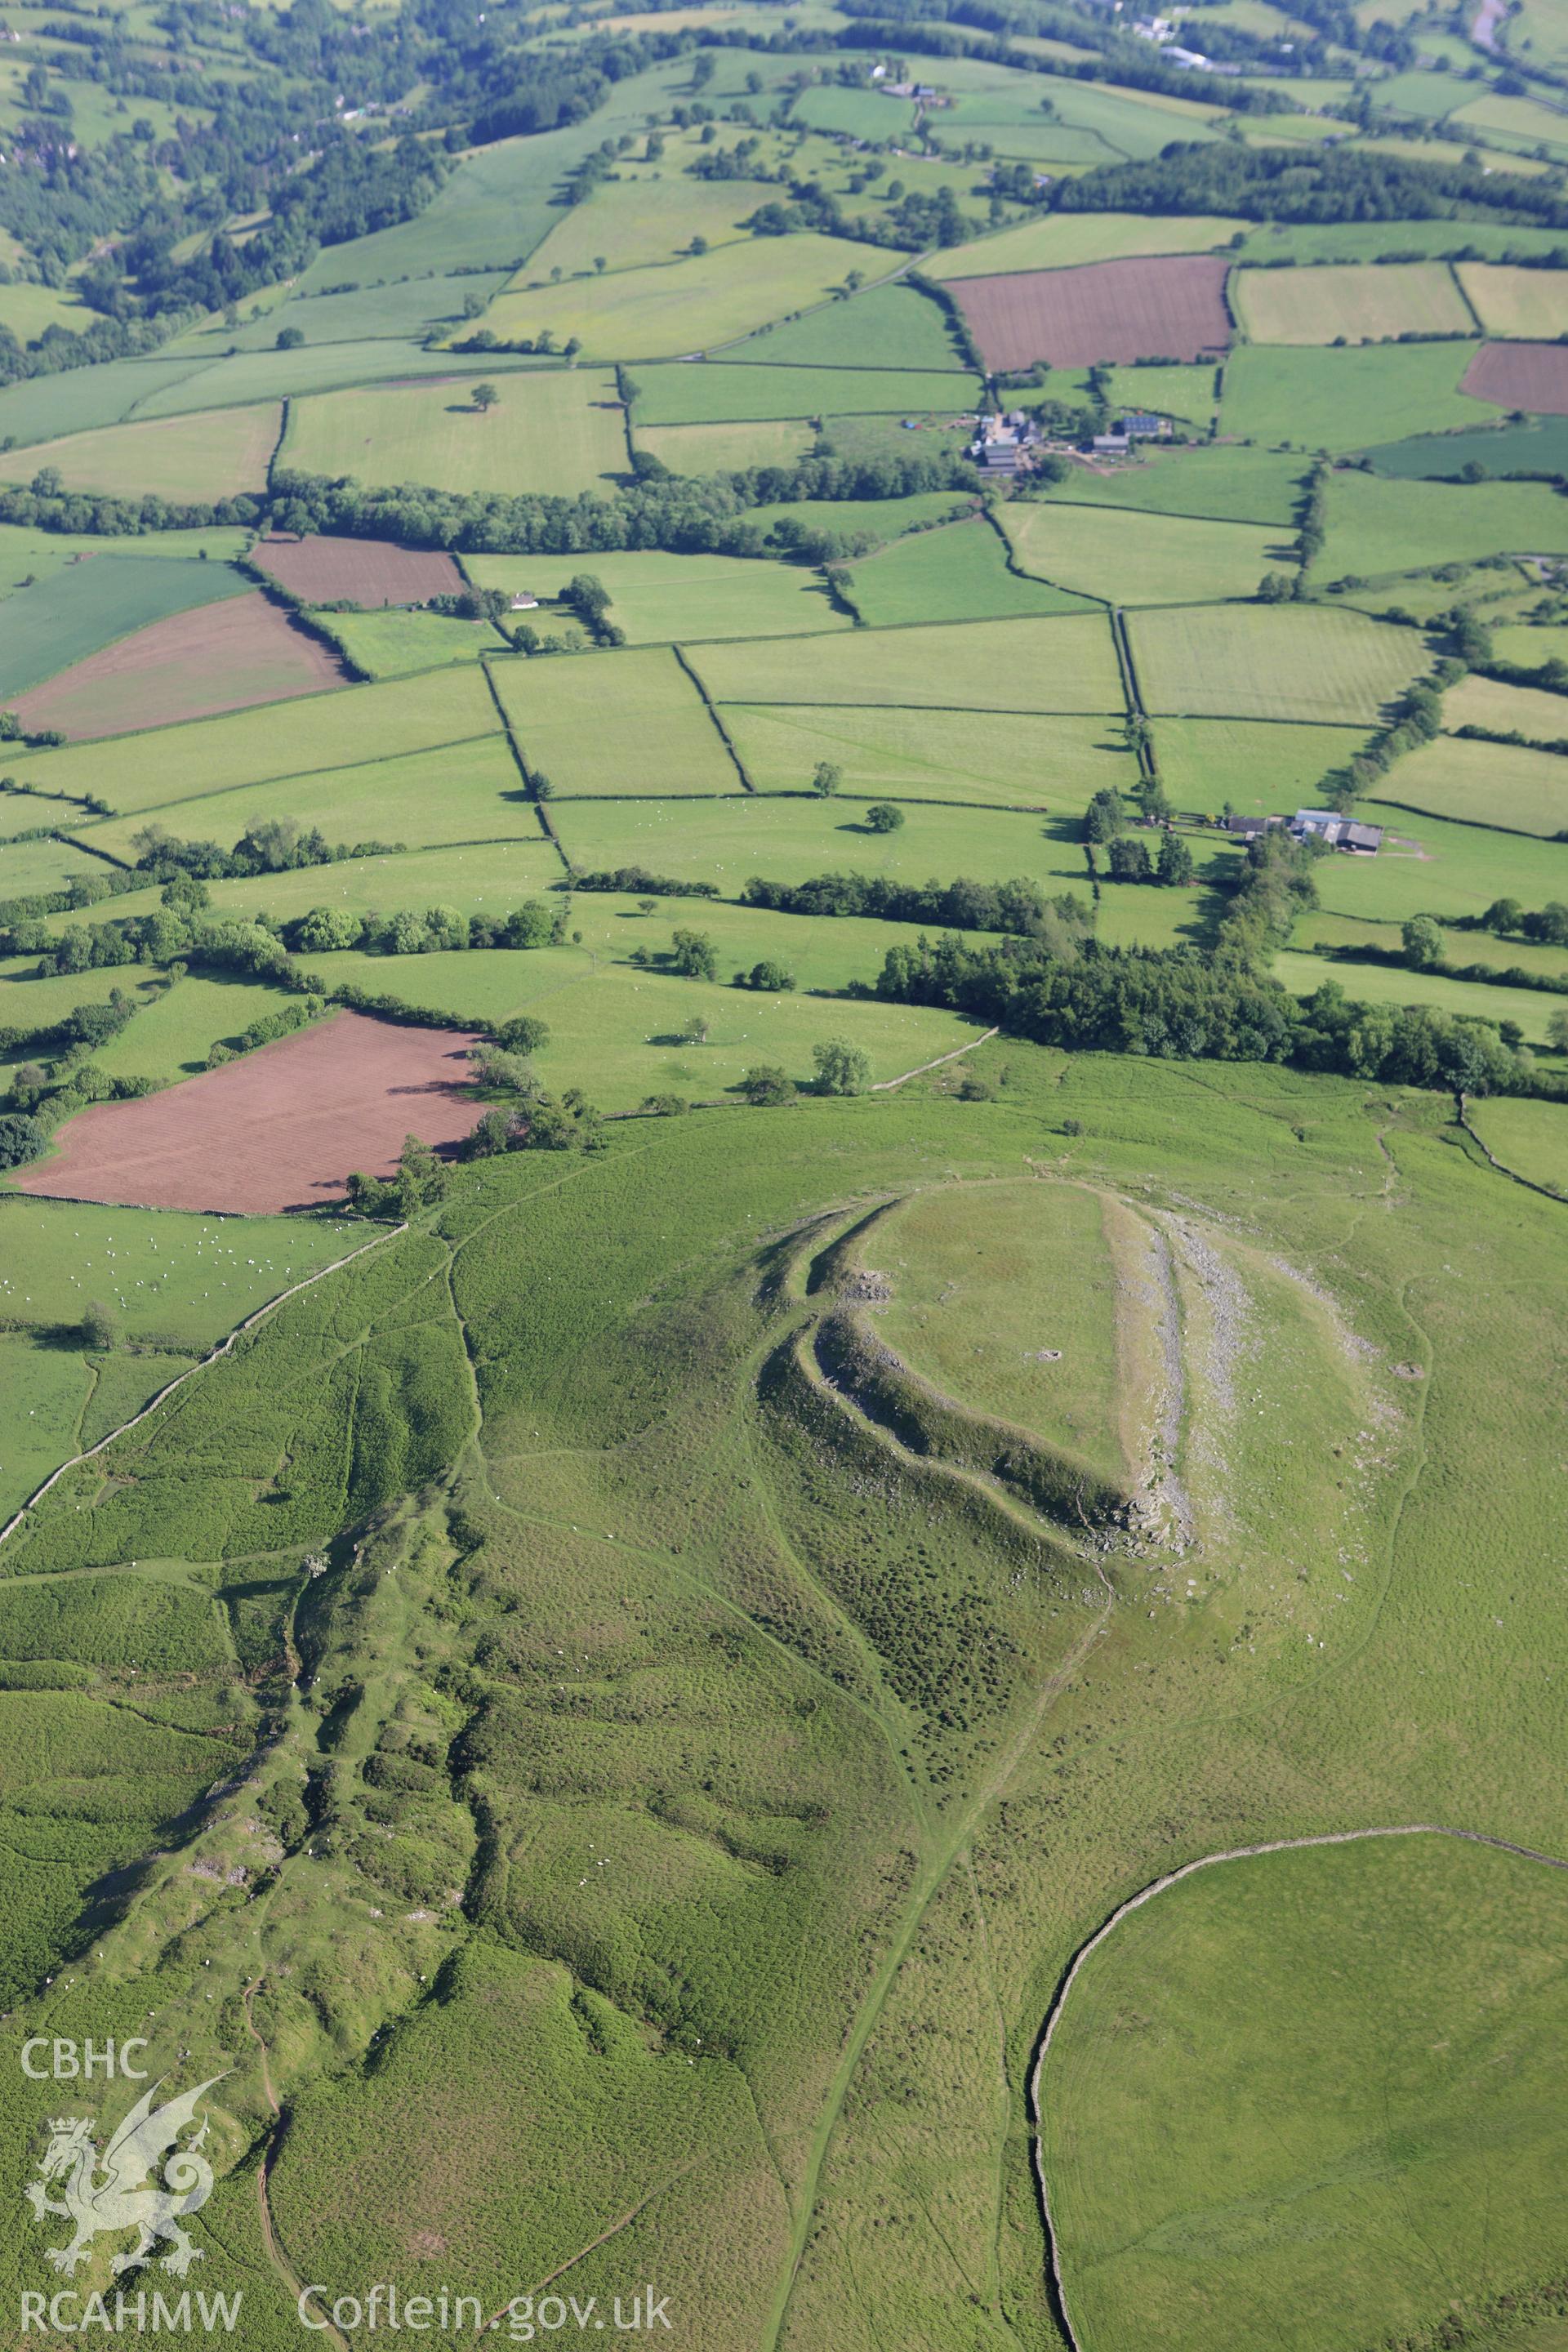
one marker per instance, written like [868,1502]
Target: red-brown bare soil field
[366,572]
[1155,308]
[280,1128]
[219,657]
[1520,375]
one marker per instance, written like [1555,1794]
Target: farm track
[273,2142]
[1146,1894]
[951,1850]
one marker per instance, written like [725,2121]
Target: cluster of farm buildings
[1012,444]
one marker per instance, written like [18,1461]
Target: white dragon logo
[113,2197]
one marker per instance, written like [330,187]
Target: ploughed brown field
[357,570]
[280,1128]
[1154,308]
[219,657]
[1520,375]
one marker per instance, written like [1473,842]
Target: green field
[498,869]
[637,220]
[251,376]
[621,1030]
[1132,558]
[884,327]
[1530,1137]
[859,113]
[999,1298]
[1052,665]
[1380,985]
[1260,767]
[1531,711]
[214,457]
[1531,304]
[1482,783]
[1009,759]
[1431,865]
[177,1283]
[88,605]
[1460,945]
[461,791]
[170,1038]
[547,431]
[1335,303]
[1315,399]
[1377,526]
[1338,2105]
[722,392]
[179,763]
[685,306]
[1066,238]
[43,407]
[1271,662]
[961,573]
[725,448]
[791,839]
[1313,241]
[1539,446]
[1531,644]
[868,522]
[42,553]
[396,644]
[388,310]
[1190,395]
[29,867]
[628,723]
[1229,484]
[658,599]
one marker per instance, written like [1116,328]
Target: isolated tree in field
[696,1030]
[100,1326]
[288,339]
[600,264]
[826,779]
[1423,943]
[694,955]
[647,907]
[1557,1032]
[523,1033]
[1174,864]
[771,977]
[484,398]
[841,1069]
[766,1087]
[883,816]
